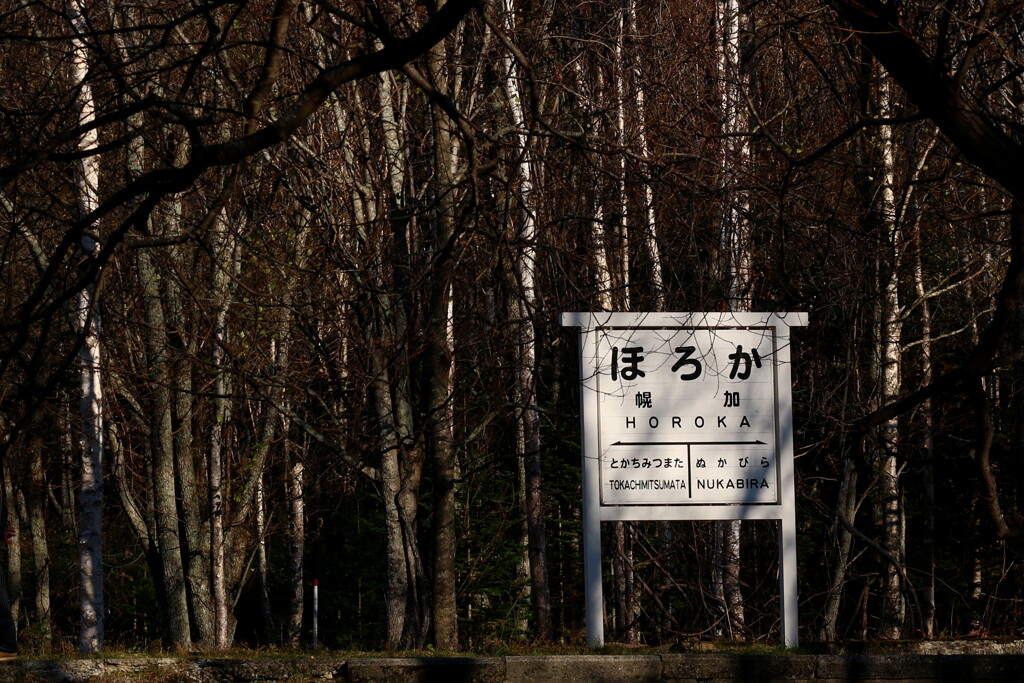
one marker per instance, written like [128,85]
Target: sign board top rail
[593,320]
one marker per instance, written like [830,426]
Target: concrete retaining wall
[685,668]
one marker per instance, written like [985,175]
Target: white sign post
[686,416]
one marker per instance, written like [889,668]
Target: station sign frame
[686,416]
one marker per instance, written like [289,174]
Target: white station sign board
[686,416]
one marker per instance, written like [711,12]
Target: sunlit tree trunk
[736,245]
[890,331]
[195,533]
[381,341]
[12,558]
[923,305]
[189,455]
[225,267]
[928,420]
[297,541]
[397,579]
[262,568]
[524,268]
[161,445]
[87,176]
[621,203]
[295,477]
[183,570]
[606,298]
[626,603]
[169,545]
[637,228]
[407,599]
[398,576]
[648,222]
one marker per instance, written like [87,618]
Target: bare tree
[524,221]
[90,559]
[737,255]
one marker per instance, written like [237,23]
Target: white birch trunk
[602,266]
[893,607]
[927,412]
[622,566]
[525,263]
[400,577]
[295,477]
[735,231]
[735,245]
[297,545]
[225,269]
[189,456]
[408,601]
[90,553]
[397,578]
[261,563]
[13,555]
[603,272]
[928,420]
[650,223]
[622,199]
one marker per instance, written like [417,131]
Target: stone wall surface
[684,668]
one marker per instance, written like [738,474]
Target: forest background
[281,281]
